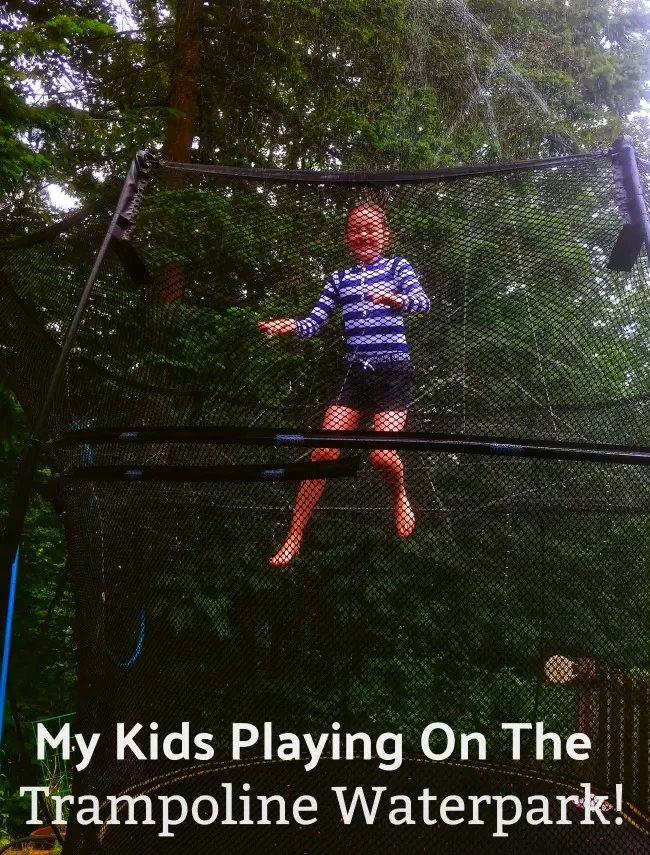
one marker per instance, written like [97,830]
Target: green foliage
[4,811]
[34,53]
[65,119]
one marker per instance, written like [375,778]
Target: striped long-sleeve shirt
[373,333]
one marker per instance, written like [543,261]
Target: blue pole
[4,670]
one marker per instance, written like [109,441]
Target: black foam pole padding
[130,199]
[449,173]
[627,248]
[629,192]
[342,468]
[431,442]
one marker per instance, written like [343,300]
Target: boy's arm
[311,325]
[411,292]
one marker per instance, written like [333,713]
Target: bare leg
[390,465]
[309,492]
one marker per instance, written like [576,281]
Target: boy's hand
[282,326]
[385,297]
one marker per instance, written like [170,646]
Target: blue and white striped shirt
[373,333]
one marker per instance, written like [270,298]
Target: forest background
[349,84]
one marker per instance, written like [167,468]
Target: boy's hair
[373,206]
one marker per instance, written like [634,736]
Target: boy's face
[366,234]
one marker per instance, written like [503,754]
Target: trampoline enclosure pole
[4,664]
[123,216]
[623,149]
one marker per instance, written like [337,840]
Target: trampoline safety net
[482,560]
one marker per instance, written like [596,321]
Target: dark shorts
[379,388]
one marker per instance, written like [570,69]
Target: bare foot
[404,516]
[287,552]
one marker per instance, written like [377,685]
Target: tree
[77,97]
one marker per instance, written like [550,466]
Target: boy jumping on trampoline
[377,373]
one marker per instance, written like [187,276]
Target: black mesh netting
[435,585]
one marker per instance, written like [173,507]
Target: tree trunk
[180,127]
